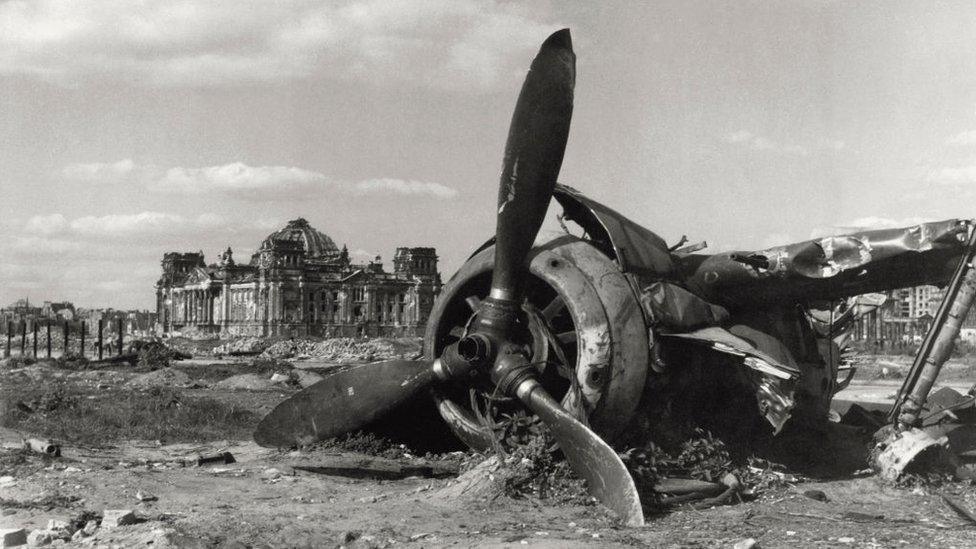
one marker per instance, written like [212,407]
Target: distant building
[297,283]
[907,316]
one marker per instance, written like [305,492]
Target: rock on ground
[113,518]
[13,537]
[306,378]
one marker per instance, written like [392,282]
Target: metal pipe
[10,329]
[939,341]
[120,337]
[23,337]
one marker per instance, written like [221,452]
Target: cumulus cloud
[246,182]
[759,143]
[128,224]
[456,44]
[406,187]
[236,178]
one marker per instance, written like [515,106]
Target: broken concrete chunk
[145,496]
[279,378]
[55,524]
[113,518]
[748,543]
[90,527]
[13,537]
[40,538]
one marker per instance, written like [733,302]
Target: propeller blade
[533,155]
[607,479]
[342,402]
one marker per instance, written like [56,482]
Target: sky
[132,128]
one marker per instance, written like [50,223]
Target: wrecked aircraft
[584,331]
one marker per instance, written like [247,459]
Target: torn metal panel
[773,381]
[829,268]
[636,249]
[670,307]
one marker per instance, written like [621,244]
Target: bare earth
[261,501]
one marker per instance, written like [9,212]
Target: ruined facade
[297,283]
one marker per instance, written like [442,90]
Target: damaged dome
[315,243]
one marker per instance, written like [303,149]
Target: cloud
[963,138]
[406,187]
[46,224]
[128,224]
[760,143]
[237,178]
[245,182]
[453,44]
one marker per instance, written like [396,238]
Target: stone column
[225,304]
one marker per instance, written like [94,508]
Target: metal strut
[939,341]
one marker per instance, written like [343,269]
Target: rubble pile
[244,345]
[345,349]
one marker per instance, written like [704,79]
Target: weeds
[158,414]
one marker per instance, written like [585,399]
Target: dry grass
[72,414]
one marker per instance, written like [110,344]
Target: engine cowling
[582,318]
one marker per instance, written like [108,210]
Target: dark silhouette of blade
[533,155]
[342,402]
[607,479]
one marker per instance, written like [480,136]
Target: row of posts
[98,343]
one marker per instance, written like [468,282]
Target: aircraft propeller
[353,397]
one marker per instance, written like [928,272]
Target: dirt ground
[262,500]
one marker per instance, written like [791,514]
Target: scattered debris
[39,538]
[345,349]
[113,518]
[145,497]
[43,446]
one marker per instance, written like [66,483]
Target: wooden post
[81,349]
[120,336]
[66,334]
[34,329]
[49,339]
[101,326]
[23,337]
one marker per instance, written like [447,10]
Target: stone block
[113,518]
[13,537]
